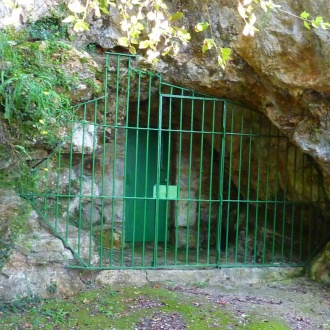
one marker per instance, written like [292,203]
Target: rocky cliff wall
[283,72]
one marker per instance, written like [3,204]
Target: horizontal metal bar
[122,197]
[89,102]
[174,96]
[120,54]
[191,266]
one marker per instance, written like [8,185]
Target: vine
[147,24]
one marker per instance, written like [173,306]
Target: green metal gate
[155,175]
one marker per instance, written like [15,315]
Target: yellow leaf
[69,19]
[132,50]
[8,3]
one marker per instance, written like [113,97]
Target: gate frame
[32,197]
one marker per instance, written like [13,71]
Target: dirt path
[290,304]
[300,303]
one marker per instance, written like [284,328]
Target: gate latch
[165,192]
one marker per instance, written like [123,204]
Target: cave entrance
[155,175]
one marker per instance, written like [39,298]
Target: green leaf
[317,21]
[104,10]
[144,44]
[183,34]
[304,15]
[225,52]
[178,15]
[139,26]
[208,44]
[23,150]
[201,26]
[8,110]
[80,26]
[132,50]
[123,42]
[166,50]
[325,26]
[307,25]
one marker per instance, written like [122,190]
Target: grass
[124,309]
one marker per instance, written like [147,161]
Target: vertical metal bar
[81,196]
[146,170]
[229,182]
[103,161]
[191,136]
[294,204]
[92,198]
[58,184]
[102,212]
[168,178]
[256,229]
[302,209]
[209,212]
[284,198]
[275,197]
[106,87]
[114,167]
[239,187]
[179,182]
[221,179]
[247,221]
[159,155]
[70,185]
[200,184]
[311,200]
[137,146]
[122,261]
[267,194]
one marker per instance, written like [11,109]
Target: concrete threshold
[196,277]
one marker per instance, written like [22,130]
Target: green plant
[20,305]
[47,28]
[52,287]
[32,91]
[58,316]
[106,310]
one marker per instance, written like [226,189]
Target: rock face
[35,264]
[320,268]
[283,72]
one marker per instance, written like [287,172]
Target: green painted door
[141,177]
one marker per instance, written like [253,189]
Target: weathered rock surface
[319,270]
[35,265]
[283,72]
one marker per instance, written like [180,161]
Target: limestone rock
[35,266]
[319,269]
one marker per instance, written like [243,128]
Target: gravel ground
[300,303]
[295,303]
